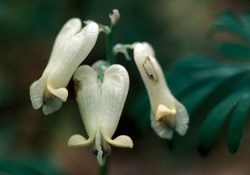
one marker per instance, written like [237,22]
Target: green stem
[104,169]
[110,44]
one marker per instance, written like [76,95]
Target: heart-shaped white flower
[167,113]
[71,47]
[101,95]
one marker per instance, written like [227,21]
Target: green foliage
[230,22]
[213,89]
[236,50]
[238,26]
[239,116]
[218,89]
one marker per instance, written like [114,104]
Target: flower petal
[61,93]
[37,90]
[160,128]
[114,90]
[167,113]
[71,47]
[77,141]
[153,78]
[182,119]
[88,97]
[144,49]
[69,53]
[52,105]
[121,141]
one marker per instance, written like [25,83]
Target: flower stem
[110,43]
[104,169]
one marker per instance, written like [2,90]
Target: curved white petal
[88,97]
[69,53]
[77,140]
[37,90]
[114,90]
[121,141]
[61,93]
[181,118]
[71,47]
[40,97]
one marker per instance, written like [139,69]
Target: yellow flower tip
[61,93]
[166,116]
[121,141]
[163,111]
[78,141]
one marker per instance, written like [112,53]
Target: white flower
[71,47]
[167,113]
[101,94]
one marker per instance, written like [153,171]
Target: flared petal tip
[78,140]
[36,96]
[182,119]
[37,90]
[121,141]
[168,121]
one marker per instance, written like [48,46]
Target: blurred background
[32,143]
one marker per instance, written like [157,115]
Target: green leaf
[240,26]
[199,94]
[211,89]
[214,122]
[237,50]
[228,21]
[236,126]
[191,71]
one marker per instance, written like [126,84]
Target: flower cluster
[101,89]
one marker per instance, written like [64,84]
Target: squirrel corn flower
[167,113]
[71,47]
[101,94]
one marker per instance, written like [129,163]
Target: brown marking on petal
[150,70]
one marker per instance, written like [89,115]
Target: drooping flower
[167,113]
[101,93]
[71,47]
